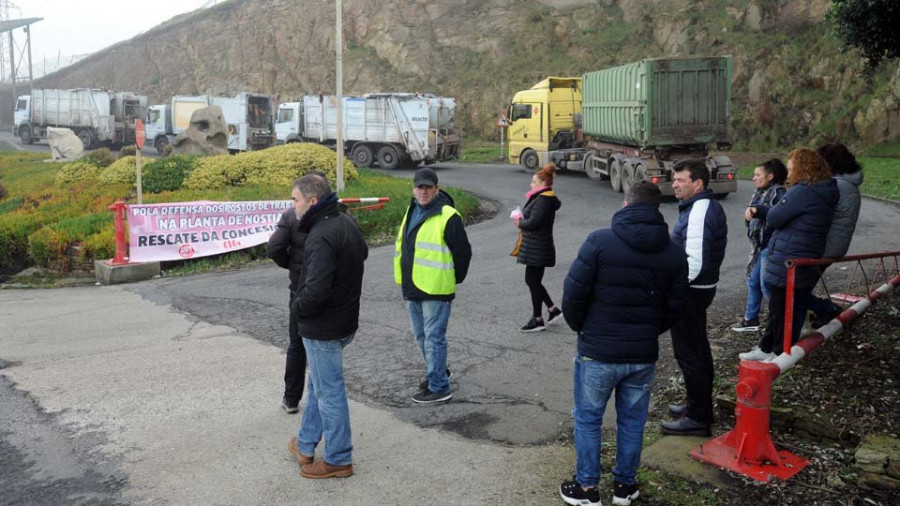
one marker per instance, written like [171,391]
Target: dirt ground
[849,385]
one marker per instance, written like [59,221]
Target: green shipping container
[660,102]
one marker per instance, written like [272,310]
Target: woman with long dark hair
[535,248]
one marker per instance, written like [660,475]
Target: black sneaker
[623,494]
[533,325]
[554,315]
[290,407]
[819,321]
[423,386]
[572,493]
[429,397]
[746,325]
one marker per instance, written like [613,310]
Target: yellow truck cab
[543,119]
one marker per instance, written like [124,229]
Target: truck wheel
[589,169]
[361,155]
[86,139]
[640,173]
[529,160]
[25,135]
[615,176]
[627,177]
[388,158]
[161,144]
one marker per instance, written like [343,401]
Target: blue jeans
[756,288]
[327,412]
[429,324]
[594,383]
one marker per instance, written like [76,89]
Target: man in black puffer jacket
[327,309]
[627,286]
[285,247]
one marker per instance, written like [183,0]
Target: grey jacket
[845,214]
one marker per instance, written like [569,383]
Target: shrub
[168,150]
[278,166]
[77,172]
[50,246]
[129,150]
[100,157]
[167,174]
[3,192]
[121,171]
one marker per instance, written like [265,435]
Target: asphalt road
[507,386]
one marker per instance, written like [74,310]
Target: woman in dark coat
[535,248]
[800,221]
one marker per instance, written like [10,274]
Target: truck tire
[615,175]
[589,169]
[627,177]
[86,139]
[160,144]
[25,135]
[640,173]
[388,158]
[362,156]
[529,160]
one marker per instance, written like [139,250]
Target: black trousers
[773,337]
[691,345]
[295,368]
[539,296]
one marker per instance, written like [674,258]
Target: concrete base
[115,274]
[671,454]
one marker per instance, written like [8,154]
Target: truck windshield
[21,105]
[285,115]
[153,116]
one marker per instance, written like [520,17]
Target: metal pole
[502,131]
[788,311]
[30,72]
[339,77]
[12,63]
[138,175]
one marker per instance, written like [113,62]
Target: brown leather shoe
[322,469]
[295,451]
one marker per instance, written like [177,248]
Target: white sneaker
[758,355]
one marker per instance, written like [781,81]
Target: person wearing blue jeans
[429,320]
[769,178]
[327,413]
[431,256]
[627,286]
[326,308]
[594,383]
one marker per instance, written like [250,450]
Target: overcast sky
[76,27]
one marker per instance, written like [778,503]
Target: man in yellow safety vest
[431,257]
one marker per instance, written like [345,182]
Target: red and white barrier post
[747,449]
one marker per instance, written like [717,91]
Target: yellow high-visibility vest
[432,269]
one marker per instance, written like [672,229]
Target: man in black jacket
[327,309]
[626,287]
[431,257]
[285,247]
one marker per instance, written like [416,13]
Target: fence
[747,449]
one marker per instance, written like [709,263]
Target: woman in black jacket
[535,247]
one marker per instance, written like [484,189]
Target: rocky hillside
[791,83]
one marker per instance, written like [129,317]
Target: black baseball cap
[426,177]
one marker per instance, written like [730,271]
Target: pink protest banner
[182,230]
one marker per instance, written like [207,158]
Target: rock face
[206,135]
[64,144]
[483,51]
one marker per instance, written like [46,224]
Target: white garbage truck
[390,129]
[98,117]
[250,118]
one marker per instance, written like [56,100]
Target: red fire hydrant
[121,258]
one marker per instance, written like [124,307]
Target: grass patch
[881,176]
[481,154]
